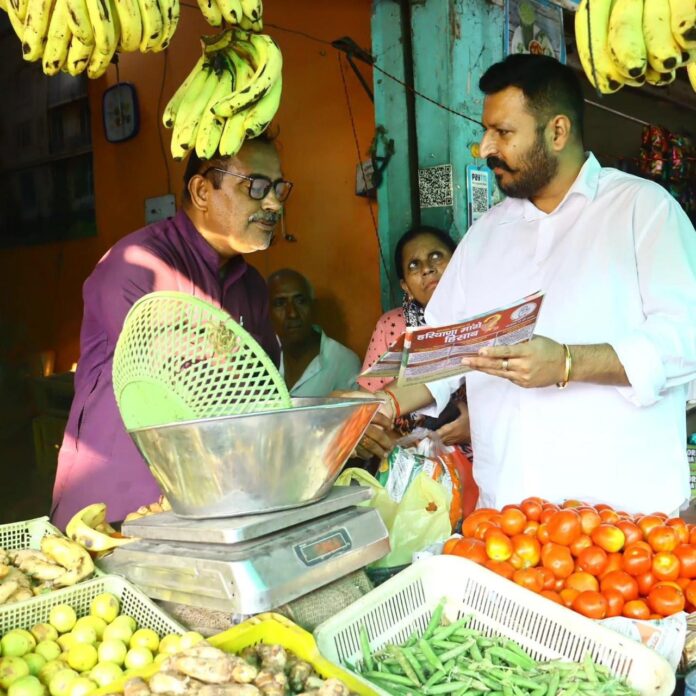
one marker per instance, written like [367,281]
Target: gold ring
[505,364]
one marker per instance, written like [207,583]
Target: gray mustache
[270,218]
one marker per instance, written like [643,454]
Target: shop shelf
[548,631]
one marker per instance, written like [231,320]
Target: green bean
[406,666]
[513,658]
[365,648]
[408,654]
[444,632]
[435,619]
[589,669]
[553,684]
[432,657]
[393,678]
[448,688]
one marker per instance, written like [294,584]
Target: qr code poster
[435,186]
[534,26]
[478,191]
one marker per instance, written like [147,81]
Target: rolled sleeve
[442,391]
[644,369]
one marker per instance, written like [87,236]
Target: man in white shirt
[313,364]
[616,258]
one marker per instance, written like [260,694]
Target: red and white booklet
[427,354]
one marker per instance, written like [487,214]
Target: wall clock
[120,112]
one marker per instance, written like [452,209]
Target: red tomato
[543,534]
[593,560]
[547,511]
[557,559]
[615,602]
[513,520]
[636,609]
[580,544]
[690,592]
[589,520]
[475,518]
[637,559]
[609,537]
[503,568]
[482,528]
[665,599]
[663,538]
[531,508]
[687,560]
[648,522]
[531,528]
[553,596]
[621,581]
[529,578]
[549,579]
[498,545]
[568,595]
[614,562]
[631,531]
[609,516]
[448,548]
[661,515]
[683,583]
[591,604]
[572,503]
[665,566]
[582,582]
[692,536]
[527,549]
[680,527]
[645,582]
[473,549]
[602,506]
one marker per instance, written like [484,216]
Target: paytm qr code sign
[478,191]
[435,186]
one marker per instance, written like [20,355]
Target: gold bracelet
[568,367]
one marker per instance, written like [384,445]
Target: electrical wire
[159,124]
[360,164]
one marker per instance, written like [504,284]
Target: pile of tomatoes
[595,560]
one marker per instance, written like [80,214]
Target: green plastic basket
[180,358]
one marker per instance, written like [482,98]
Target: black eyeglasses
[259,185]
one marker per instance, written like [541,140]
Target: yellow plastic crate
[264,628]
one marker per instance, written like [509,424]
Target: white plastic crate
[27,534]
[133,603]
[548,631]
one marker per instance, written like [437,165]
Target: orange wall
[336,242]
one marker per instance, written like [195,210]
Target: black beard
[538,170]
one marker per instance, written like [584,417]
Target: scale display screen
[318,550]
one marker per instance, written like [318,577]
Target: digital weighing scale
[254,563]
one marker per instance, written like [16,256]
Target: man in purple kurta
[230,207]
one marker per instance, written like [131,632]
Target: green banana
[253,9]
[153,24]
[259,116]
[131,24]
[659,79]
[58,41]
[683,22]
[78,57]
[166,11]
[36,28]
[172,107]
[191,93]
[268,67]
[217,42]
[231,10]
[626,42]
[257,26]
[186,128]
[211,11]
[596,60]
[174,11]
[210,126]
[79,22]
[232,137]
[664,53]
[246,24]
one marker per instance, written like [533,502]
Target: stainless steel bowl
[241,465]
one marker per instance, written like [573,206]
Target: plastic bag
[421,517]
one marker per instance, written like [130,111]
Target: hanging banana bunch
[245,14]
[232,93]
[82,35]
[635,42]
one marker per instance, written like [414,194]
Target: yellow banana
[596,60]
[233,134]
[153,24]
[166,11]
[172,107]
[257,26]
[78,56]
[217,42]
[691,72]
[211,11]
[174,11]
[36,28]
[664,53]
[100,60]
[15,21]
[82,529]
[231,10]
[253,9]
[259,116]
[20,8]
[657,79]
[626,42]
[79,21]
[191,93]
[65,552]
[56,50]
[7,589]
[683,22]
[246,24]
[267,69]
[210,126]
[131,24]
[186,125]
[104,27]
